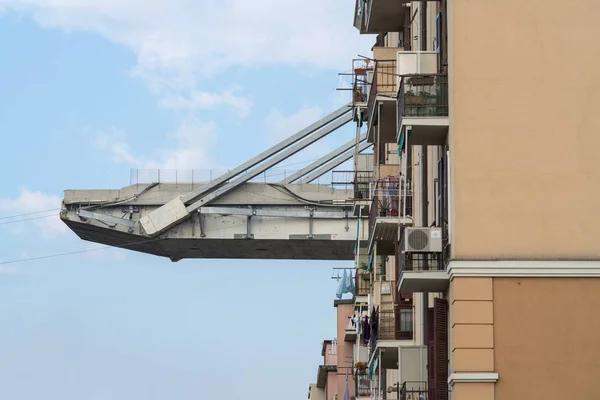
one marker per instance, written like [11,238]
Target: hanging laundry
[349,283]
[366,331]
[343,288]
[346,285]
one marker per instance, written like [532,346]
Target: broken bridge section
[230,216]
[257,220]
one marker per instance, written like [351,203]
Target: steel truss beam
[340,112]
[180,208]
[325,159]
[308,212]
[334,163]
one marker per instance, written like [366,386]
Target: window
[406,319]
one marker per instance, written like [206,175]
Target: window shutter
[430,358]
[440,349]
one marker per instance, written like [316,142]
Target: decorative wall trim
[557,269]
[472,377]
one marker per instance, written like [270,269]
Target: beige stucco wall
[546,334]
[525,94]
[316,393]
[386,53]
[471,325]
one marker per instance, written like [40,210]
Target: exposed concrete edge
[529,269]
[472,377]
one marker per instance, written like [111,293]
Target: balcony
[362,384]
[357,81]
[379,16]
[384,89]
[423,106]
[390,325]
[413,391]
[422,272]
[322,374]
[361,69]
[350,333]
[362,282]
[390,209]
[363,180]
[396,325]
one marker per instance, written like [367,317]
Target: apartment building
[338,359]
[481,194]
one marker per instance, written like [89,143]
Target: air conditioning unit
[422,240]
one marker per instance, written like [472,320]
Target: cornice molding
[525,269]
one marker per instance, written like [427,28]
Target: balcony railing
[360,70]
[362,384]
[391,325]
[413,391]
[358,181]
[362,283]
[396,325]
[420,262]
[390,201]
[384,83]
[362,184]
[423,96]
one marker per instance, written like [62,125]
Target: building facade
[481,116]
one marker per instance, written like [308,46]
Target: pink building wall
[330,359]
[332,386]
[345,350]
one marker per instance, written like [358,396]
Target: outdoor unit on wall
[422,240]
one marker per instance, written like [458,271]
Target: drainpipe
[424,223]
[379,383]
[423,32]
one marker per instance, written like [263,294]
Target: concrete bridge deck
[254,220]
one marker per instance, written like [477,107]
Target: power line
[27,219]
[29,213]
[74,252]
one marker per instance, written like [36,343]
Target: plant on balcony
[361,366]
[359,96]
[362,271]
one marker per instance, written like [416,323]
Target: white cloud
[206,100]
[47,223]
[280,126]
[194,140]
[179,41]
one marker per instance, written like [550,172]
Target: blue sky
[92,88]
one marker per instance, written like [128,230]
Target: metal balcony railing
[358,181]
[423,96]
[360,85]
[362,283]
[421,262]
[396,325]
[362,384]
[362,184]
[391,325]
[389,200]
[384,83]
[413,391]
